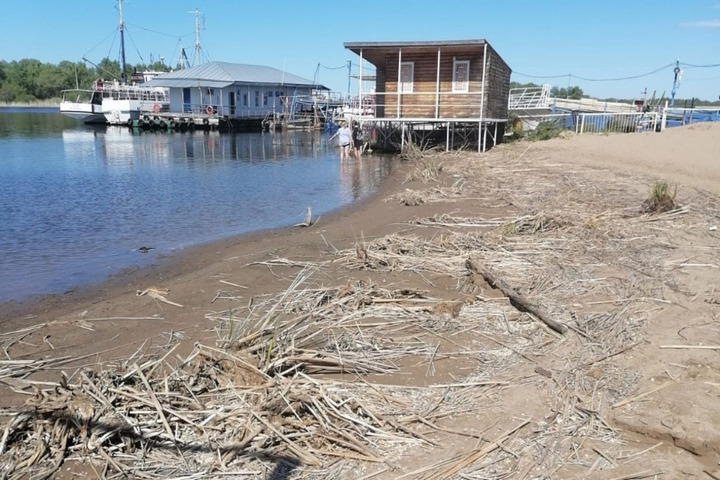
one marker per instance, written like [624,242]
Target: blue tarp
[684,117]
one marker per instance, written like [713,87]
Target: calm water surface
[76,202]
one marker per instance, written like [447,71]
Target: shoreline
[184,262]
[163,255]
[38,104]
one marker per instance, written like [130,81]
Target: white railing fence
[580,122]
[616,122]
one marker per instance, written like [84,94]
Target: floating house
[454,89]
[242,95]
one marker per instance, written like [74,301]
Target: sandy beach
[372,344]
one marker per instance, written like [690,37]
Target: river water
[77,202]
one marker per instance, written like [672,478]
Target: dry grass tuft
[425,170]
[410,198]
[660,199]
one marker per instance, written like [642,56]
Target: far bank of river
[51,103]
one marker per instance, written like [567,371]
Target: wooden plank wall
[421,102]
[380,78]
[498,88]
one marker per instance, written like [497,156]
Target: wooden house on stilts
[452,92]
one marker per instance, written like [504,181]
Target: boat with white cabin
[84,105]
[116,102]
[113,102]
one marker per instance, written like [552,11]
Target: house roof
[375,52]
[223,74]
[432,43]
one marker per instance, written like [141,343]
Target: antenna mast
[122,43]
[198,48]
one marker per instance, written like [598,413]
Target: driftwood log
[517,300]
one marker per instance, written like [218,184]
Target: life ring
[209,110]
[156,108]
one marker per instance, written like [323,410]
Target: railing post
[447,137]
[582,123]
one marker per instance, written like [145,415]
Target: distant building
[237,91]
[461,83]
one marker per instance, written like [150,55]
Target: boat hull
[84,112]
[120,112]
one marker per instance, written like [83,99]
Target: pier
[181,122]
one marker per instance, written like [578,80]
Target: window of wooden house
[461,76]
[245,99]
[407,72]
[257,98]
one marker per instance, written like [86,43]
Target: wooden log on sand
[517,300]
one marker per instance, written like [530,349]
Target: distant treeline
[576,93]
[30,80]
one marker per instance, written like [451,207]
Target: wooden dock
[181,122]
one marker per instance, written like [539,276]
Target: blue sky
[592,39]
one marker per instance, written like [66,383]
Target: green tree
[523,85]
[108,69]
[573,93]
[22,78]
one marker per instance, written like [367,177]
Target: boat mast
[198,58]
[122,43]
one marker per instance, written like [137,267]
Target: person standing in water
[356,140]
[344,139]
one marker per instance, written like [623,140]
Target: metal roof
[374,52]
[431,43]
[222,74]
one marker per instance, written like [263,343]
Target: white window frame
[461,85]
[405,85]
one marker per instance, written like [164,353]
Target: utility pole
[349,76]
[122,44]
[676,82]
